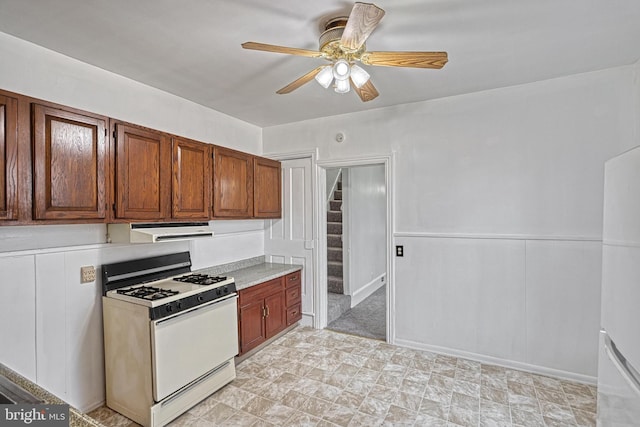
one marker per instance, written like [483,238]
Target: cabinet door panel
[233,184]
[191,197]
[143,178]
[8,158]
[267,202]
[69,165]
[276,315]
[252,331]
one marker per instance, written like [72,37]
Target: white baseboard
[307,320]
[512,364]
[361,294]
[86,408]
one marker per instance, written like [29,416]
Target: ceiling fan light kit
[325,76]
[343,44]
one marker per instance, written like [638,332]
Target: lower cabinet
[266,309]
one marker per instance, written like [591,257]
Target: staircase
[337,302]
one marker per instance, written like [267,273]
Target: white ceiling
[191,48]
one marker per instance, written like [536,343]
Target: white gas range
[170,336]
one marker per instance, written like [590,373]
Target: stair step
[335,205]
[334,216]
[334,228]
[334,241]
[334,268]
[337,195]
[334,254]
[335,284]
[337,305]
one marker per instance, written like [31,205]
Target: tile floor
[323,378]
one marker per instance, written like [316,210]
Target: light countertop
[246,277]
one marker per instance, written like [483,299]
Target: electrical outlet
[399,250]
[87,274]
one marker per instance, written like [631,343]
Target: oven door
[192,343]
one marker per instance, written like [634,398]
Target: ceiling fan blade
[281,49]
[367,92]
[300,81]
[364,18]
[406,59]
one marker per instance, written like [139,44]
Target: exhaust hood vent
[158,232]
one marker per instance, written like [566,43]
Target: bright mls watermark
[34,415]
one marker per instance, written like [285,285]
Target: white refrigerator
[619,357]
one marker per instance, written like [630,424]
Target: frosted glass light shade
[341,70]
[359,76]
[342,86]
[325,76]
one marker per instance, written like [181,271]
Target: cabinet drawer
[260,291]
[293,296]
[293,279]
[293,314]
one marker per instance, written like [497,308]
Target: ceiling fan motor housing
[330,38]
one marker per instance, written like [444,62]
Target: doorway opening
[356,201]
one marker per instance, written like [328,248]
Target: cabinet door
[252,331]
[267,188]
[232,184]
[191,197]
[143,173]
[275,320]
[69,164]
[8,158]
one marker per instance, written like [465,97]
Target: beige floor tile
[397,416]
[278,414]
[365,420]
[494,395]
[434,409]
[217,414]
[526,418]
[339,415]
[463,416]
[301,419]
[327,379]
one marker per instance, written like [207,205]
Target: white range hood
[157,232]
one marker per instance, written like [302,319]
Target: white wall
[498,202]
[32,70]
[365,204]
[51,324]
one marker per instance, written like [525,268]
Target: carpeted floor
[367,319]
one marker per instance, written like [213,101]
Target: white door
[290,240]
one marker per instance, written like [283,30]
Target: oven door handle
[193,310]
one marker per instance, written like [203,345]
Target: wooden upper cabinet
[232,184]
[191,195]
[267,188]
[8,158]
[69,164]
[143,173]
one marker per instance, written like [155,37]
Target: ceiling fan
[342,43]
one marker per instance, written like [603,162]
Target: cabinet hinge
[113,207]
[115,135]
[105,132]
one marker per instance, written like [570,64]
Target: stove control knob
[200,298]
[218,292]
[169,308]
[178,305]
[226,290]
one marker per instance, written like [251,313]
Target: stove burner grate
[147,292]
[200,279]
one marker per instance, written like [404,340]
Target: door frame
[388,161]
[313,155]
